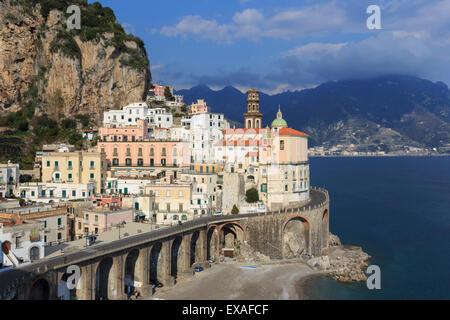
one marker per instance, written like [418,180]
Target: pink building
[159,90]
[107,201]
[126,134]
[99,220]
[199,107]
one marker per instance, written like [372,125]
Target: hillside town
[148,171]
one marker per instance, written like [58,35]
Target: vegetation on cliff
[50,112]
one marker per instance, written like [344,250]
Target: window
[59,236]
[163,162]
[102,150]
[180,193]
[57,176]
[34,254]
[74,193]
[92,164]
[140,152]
[96,230]
[48,163]
[152,151]
[79,225]
[168,207]
[286,188]
[70,165]
[18,242]
[180,207]
[70,177]
[87,217]
[128,162]
[64,193]
[281,144]
[96,219]
[92,176]
[59,222]
[263,187]
[163,152]
[56,164]
[168,193]
[115,162]
[115,152]
[128,152]
[140,162]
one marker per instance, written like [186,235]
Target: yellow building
[207,167]
[172,201]
[75,167]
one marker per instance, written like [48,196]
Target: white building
[25,241]
[127,185]
[129,115]
[9,178]
[50,192]
[205,131]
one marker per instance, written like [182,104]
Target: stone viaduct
[167,255]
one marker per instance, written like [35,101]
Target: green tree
[235,210]
[168,94]
[251,196]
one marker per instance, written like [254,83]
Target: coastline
[233,281]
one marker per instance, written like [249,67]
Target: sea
[398,210]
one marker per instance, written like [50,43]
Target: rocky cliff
[68,72]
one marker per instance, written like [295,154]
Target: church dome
[279,121]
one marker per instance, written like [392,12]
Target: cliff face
[87,80]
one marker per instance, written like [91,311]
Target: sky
[280,45]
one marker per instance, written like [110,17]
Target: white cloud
[253,24]
[312,49]
[196,25]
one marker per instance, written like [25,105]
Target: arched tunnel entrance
[105,280]
[196,248]
[295,237]
[156,263]
[232,235]
[133,272]
[211,243]
[177,252]
[40,290]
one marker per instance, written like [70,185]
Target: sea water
[398,210]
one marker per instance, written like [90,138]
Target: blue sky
[278,45]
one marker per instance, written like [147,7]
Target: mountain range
[383,113]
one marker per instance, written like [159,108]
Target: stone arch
[133,271]
[40,290]
[231,233]
[249,124]
[295,237]
[212,242]
[156,263]
[196,247]
[106,279]
[176,257]
[325,229]
[64,293]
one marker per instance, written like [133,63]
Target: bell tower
[253,118]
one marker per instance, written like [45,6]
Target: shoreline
[277,280]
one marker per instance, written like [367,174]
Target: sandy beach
[228,281]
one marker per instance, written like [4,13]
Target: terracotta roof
[291,132]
